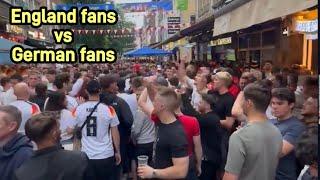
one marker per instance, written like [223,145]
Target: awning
[38,43]
[256,12]
[147,51]
[5,46]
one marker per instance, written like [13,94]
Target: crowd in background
[193,121]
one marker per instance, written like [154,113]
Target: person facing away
[27,108]
[50,161]
[100,136]
[282,104]
[41,95]
[15,148]
[109,97]
[254,150]
[211,132]
[307,154]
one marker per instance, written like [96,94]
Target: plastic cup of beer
[143,160]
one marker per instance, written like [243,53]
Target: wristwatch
[154,173]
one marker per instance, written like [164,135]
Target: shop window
[254,40]
[269,38]
[243,42]
[255,56]
[268,54]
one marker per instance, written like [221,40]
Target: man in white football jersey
[28,109]
[102,148]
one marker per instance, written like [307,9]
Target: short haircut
[171,98]
[210,99]
[41,89]
[38,126]
[93,87]
[121,84]
[4,81]
[61,79]
[174,81]
[160,80]
[259,95]
[52,72]
[284,94]
[311,81]
[268,61]
[13,114]
[137,82]
[282,81]
[307,147]
[107,80]
[266,83]
[34,73]
[292,79]
[55,101]
[17,77]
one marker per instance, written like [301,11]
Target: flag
[182,5]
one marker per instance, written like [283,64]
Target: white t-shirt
[28,109]
[66,120]
[195,97]
[269,113]
[7,97]
[96,138]
[131,100]
[71,103]
[127,87]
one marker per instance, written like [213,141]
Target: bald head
[21,90]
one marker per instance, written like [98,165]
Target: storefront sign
[173,25]
[307,26]
[222,41]
[14,29]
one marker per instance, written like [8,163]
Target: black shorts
[102,169]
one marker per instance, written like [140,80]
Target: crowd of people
[192,121]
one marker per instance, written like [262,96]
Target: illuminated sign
[222,41]
[307,26]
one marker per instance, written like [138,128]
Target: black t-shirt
[224,104]
[211,133]
[171,143]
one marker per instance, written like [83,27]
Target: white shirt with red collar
[28,109]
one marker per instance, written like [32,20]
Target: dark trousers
[144,149]
[102,169]
[209,171]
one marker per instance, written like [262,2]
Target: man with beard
[50,161]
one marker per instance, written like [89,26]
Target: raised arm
[237,110]
[142,102]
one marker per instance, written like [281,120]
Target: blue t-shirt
[291,130]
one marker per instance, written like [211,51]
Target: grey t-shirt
[254,151]
[143,130]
